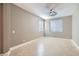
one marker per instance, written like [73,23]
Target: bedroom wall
[75,25]
[67,28]
[25,25]
[1,28]
[19,26]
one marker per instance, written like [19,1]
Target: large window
[41,25]
[56,25]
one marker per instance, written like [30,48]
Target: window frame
[40,27]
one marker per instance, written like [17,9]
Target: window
[56,25]
[41,25]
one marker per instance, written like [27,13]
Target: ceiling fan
[52,12]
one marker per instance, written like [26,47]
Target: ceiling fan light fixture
[52,12]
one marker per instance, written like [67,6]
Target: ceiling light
[52,12]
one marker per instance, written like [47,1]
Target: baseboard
[20,45]
[75,44]
[17,46]
[5,54]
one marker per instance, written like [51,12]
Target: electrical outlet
[13,31]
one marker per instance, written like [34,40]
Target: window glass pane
[56,25]
[41,25]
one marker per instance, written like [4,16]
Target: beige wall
[67,28]
[25,25]
[1,28]
[22,22]
[6,27]
[75,25]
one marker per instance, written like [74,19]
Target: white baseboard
[75,44]
[5,54]
[17,46]
[20,45]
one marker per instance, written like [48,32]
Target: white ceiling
[42,9]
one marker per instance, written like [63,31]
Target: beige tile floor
[47,46]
